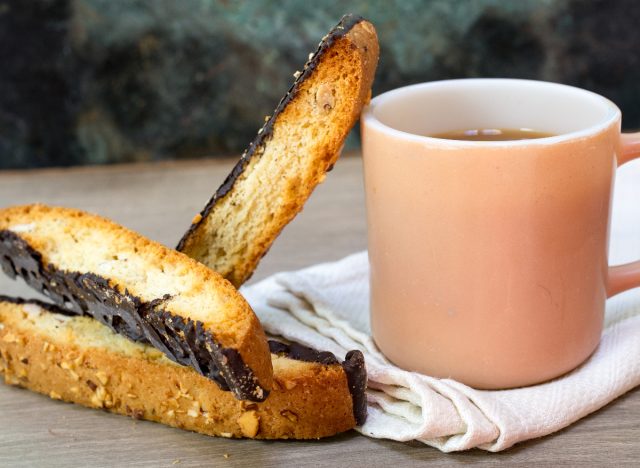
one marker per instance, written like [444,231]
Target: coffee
[492,134]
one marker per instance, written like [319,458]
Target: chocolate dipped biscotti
[290,155]
[140,289]
[76,359]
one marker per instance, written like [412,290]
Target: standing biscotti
[76,359]
[290,155]
[140,289]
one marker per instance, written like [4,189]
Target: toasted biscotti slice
[140,289]
[289,157]
[76,359]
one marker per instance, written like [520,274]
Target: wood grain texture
[159,201]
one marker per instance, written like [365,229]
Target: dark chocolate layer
[266,132]
[44,305]
[302,353]
[353,367]
[356,371]
[182,340]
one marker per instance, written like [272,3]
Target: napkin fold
[327,307]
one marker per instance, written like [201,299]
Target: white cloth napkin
[326,307]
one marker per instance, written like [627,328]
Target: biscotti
[289,157]
[140,289]
[76,359]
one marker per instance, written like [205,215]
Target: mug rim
[369,119]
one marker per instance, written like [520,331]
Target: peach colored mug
[489,259]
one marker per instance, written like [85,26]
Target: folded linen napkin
[327,307]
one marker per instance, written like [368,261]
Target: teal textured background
[103,81]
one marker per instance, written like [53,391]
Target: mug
[489,258]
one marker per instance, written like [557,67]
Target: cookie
[140,289]
[289,157]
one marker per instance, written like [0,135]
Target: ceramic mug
[489,259]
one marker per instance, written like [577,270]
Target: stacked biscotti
[136,328]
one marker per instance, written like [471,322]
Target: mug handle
[627,276]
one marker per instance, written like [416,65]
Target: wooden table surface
[159,200]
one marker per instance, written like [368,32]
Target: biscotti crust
[353,366]
[351,44]
[237,361]
[83,362]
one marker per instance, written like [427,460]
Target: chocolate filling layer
[356,371]
[353,367]
[266,132]
[302,353]
[183,340]
[43,305]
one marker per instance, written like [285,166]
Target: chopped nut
[249,423]
[10,338]
[226,455]
[132,396]
[101,393]
[134,413]
[297,74]
[171,413]
[193,413]
[324,97]
[55,395]
[247,405]
[289,384]
[173,403]
[228,435]
[102,377]
[74,390]
[95,401]
[290,415]
[91,385]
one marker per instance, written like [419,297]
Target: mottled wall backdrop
[102,81]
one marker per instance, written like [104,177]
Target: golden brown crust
[273,180]
[73,241]
[80,361]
